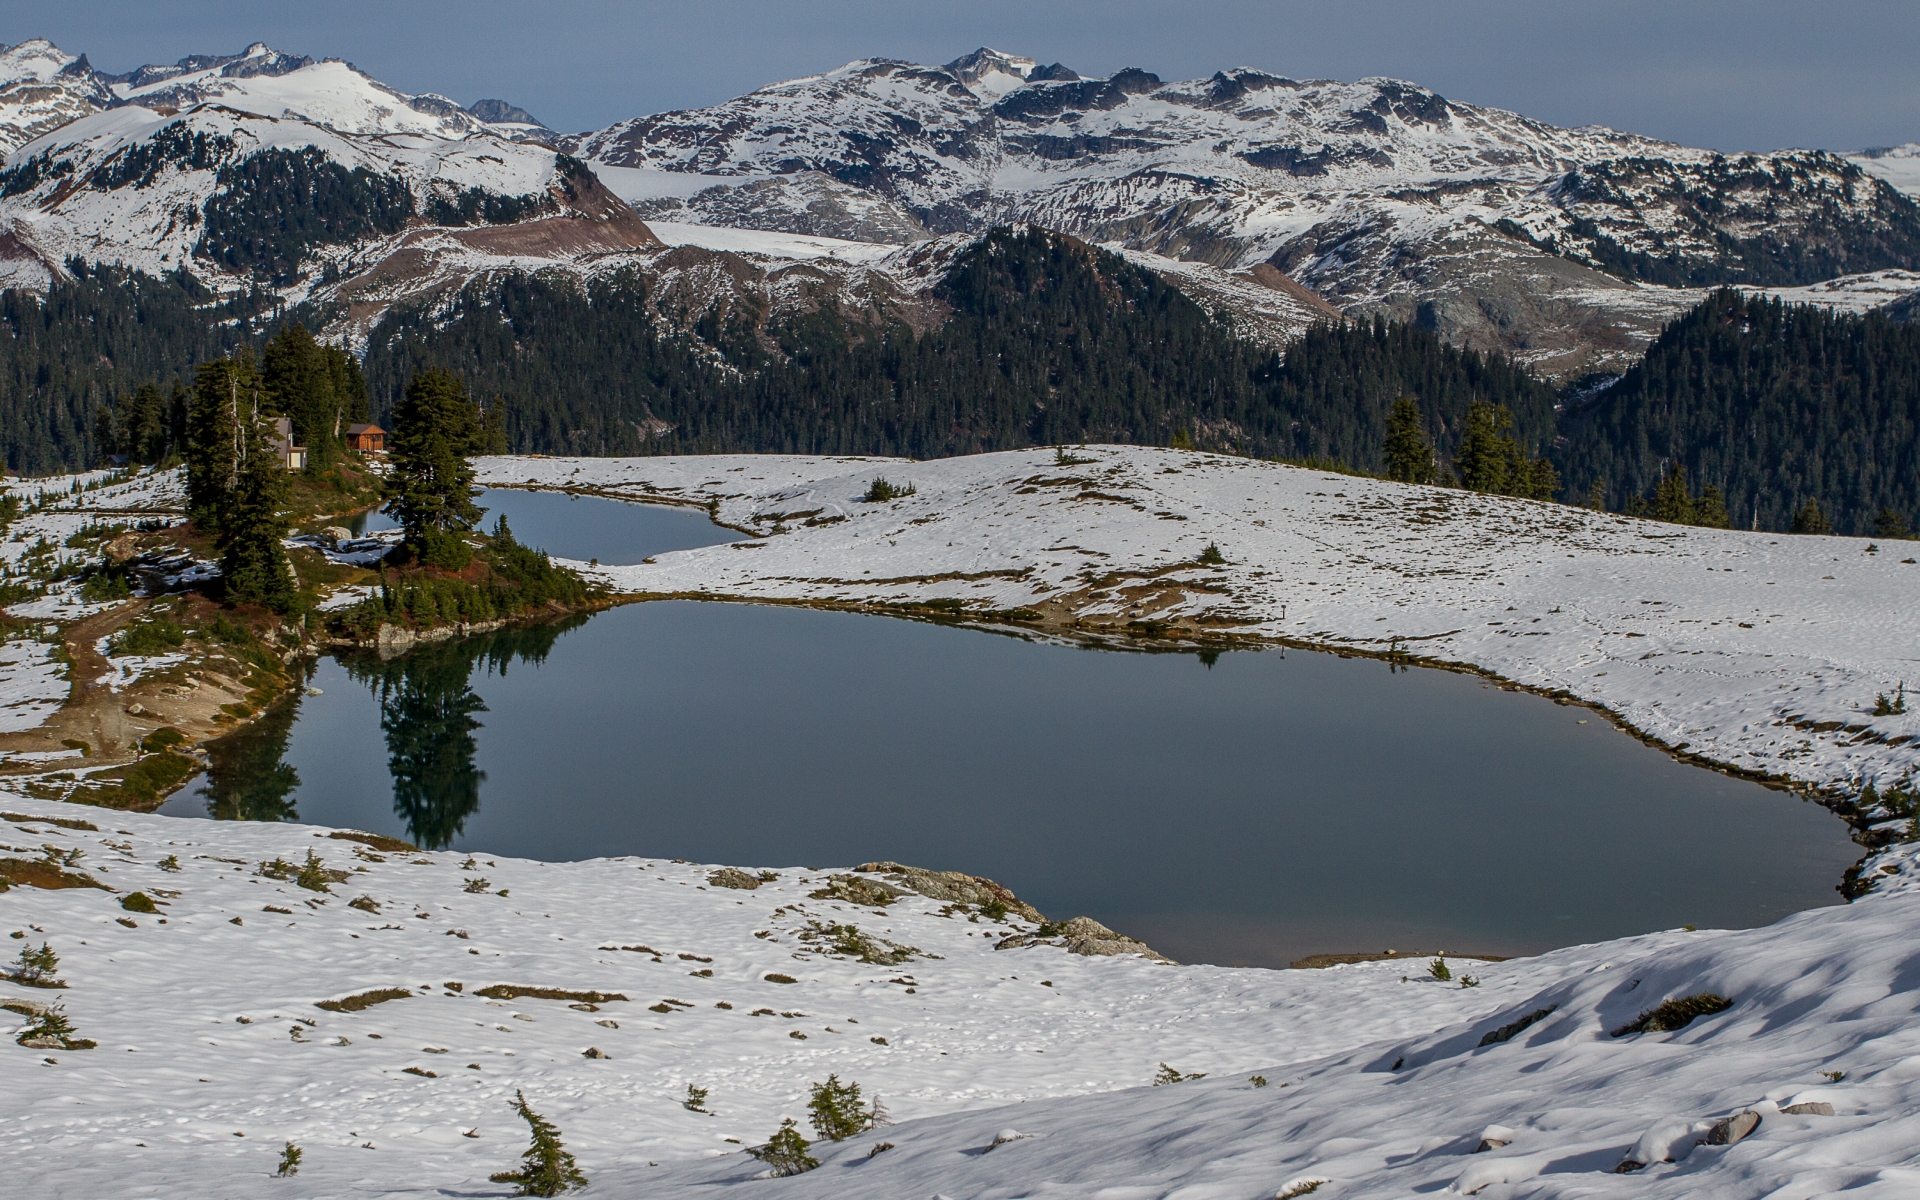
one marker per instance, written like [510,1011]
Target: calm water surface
[1252,811]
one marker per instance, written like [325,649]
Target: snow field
[212,1052]
[212,1023]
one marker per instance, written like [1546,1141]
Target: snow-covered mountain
[1279,200]
[267,168]
[1497,230]
[321,183]
[43,88]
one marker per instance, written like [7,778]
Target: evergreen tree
[1889,524]
[296,383]
[786,1151]
[429,486]
[1711,509]
[1810,519]
[224,408]
[1530,478]
[546,1169]
[1485,459]
[1407,455]
[1597,496]
[319,388]
[835,1110]
[252,526]
[1671,500]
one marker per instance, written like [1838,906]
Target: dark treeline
[1050,342]
[93,339]
[1771,406]
[1744,411]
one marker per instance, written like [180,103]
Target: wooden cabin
[367,438]
[294,457]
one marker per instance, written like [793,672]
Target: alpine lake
[1247,807]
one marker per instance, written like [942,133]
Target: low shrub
[363,1000]
[138,902]
[508,991]
[1674,1014]
[786,1151]
[147,638]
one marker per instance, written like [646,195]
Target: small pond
[1250,808]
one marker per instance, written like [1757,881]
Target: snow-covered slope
[1759,651]
[1898,165]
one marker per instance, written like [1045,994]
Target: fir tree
[546,1169]
[289,1161]
[1597,495]
[224,407]
[37,967]
[429,487]
[1711,509]
[1671,500]
[835,1110]
[786,1151]
[1483,459]
[252,559]
[1889,524]
[1407,455]
[1810,519]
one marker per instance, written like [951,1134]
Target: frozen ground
[1761,651]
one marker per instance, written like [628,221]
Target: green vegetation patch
[138,786]
[363,1000]
[147,638]
[62,822]
[1675,1014]
[1506,1032]
[854,890]
[377,841]
[509,991]
[45,874]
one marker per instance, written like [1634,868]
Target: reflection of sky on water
[1266,808]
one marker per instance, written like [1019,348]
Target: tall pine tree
[429,486]
[1408,455]
[225,403]
[252,525]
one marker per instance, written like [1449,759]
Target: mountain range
[896,258]
[1276,200]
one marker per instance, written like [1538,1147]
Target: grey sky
[1837,74]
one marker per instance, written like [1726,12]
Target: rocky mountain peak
[988,72]
[499,112]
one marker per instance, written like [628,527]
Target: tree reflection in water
[427,707]
[246,779]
